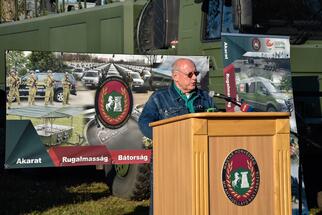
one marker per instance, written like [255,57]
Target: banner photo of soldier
[257,73]
[72,109]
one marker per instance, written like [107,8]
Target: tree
[286,83]
[16,60]
[45,60]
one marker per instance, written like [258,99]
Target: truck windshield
[135,75]
[91,74]
[272,87]
[299,19]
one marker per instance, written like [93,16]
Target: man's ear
[174,76]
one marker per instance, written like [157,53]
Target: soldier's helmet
[12,72]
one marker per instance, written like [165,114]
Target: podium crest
[240,177]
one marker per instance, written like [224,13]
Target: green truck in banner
[190,27]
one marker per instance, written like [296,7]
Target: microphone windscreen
[211,93]
[246,108]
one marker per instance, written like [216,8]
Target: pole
[0,11]
[25,3]
[41,8]
[57,6]
[16,10]
[36,5]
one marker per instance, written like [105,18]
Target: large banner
[257,71]
[71,109]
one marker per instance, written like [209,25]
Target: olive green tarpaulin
[24,148]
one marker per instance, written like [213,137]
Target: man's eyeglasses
[190,74]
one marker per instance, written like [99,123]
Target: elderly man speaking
[182,97]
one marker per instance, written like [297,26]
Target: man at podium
[181,97]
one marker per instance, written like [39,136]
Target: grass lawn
[77,190]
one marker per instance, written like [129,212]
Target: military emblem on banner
[240,177]
[256,44]
[113,103]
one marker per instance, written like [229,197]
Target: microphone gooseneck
[244,107]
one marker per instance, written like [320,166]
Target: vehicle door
[250,95]
[263,97]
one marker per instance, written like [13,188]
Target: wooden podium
[222,163]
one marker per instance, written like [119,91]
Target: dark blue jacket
[168,103]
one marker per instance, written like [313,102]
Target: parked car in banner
[137,84]
[159,81]
[78,73]
[41,76]
[91,78]
[263,95]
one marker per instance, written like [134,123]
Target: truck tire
[131,182]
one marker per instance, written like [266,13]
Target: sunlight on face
[185,75]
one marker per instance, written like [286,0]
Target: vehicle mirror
[242,13]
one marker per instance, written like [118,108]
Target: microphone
[244,107]
[227,98]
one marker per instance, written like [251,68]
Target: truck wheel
[59,96]
[130,181]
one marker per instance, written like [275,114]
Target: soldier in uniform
[49,83]
[66,88]
[32,83]
[14,82]
[129,80]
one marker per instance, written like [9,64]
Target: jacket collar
[175,95]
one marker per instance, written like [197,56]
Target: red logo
[113,103]
[240,177]
[269,43]
[256,43]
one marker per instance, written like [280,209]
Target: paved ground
[86,97]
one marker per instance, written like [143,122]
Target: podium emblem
[240,177]
[113,103]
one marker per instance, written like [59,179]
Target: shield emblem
[113,103]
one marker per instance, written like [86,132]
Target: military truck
[192,27]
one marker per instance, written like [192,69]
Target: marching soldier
[32,83]
[66,88]
[49,83]
[14,82]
